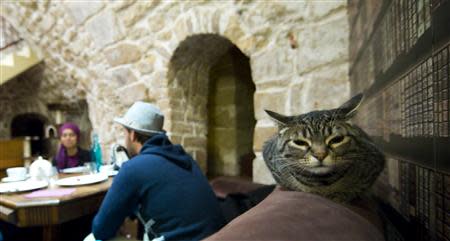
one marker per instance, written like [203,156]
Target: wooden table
[49,212]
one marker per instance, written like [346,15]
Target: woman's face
[69,138]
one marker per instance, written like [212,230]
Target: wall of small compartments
[400,60]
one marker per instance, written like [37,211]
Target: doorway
[30,125]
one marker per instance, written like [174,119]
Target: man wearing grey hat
[161,184]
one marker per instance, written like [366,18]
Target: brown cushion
[286,215]
[222,186]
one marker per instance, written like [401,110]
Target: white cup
[17,172]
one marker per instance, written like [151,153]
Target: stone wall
[114,53]
[18,97]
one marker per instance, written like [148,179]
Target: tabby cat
[321,152]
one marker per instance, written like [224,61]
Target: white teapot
[41,168]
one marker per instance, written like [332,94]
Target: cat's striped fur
[321,152]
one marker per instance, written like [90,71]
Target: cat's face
[322,149]
[317,152]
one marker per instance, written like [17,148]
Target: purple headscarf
[62,160]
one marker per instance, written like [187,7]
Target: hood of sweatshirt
[160,145]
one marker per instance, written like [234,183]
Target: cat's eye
[337,141]
[302,144]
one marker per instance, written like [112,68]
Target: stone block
[272,100]
[274,84]
[121,5]
[174,93]
[137,33]
[164,36]
[69,36]
[157,93]
[273,63]
[322,9]
[157,79]
[199,142]
[80,11]
[181,128]
[163,52]
[192,115]
[46,24]
[200,129]
[180,29]
[104,29]
[215,22]
[262,134]
[137,11]
[261,173]
[233,31]
[326,89]
[296,99]
[247,44]
[323,43]
[120,77]
[175,115]
[257,41]
[156,24]
[175,139]
[131,93]
[67,55]
[122,54]
[146,65]
[200,158]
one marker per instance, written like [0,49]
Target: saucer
[22,186]
[14,179]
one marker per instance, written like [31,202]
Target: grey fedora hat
[144,118]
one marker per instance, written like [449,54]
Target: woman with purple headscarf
[69,153]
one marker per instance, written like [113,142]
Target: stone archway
[211,103]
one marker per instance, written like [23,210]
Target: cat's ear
[348,109]
[279,119]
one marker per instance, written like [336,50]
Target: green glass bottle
[96,152]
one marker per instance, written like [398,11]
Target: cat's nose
[320,155]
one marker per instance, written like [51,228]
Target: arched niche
[211,104]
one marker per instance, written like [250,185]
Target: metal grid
[417,105]
[423,209]
[425,201]
[404,189]
[392,98]
[409,104]
[441,91]
[442,207]
[404,23]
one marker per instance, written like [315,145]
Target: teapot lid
[40,158]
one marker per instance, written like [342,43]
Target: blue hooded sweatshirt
[165,184]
